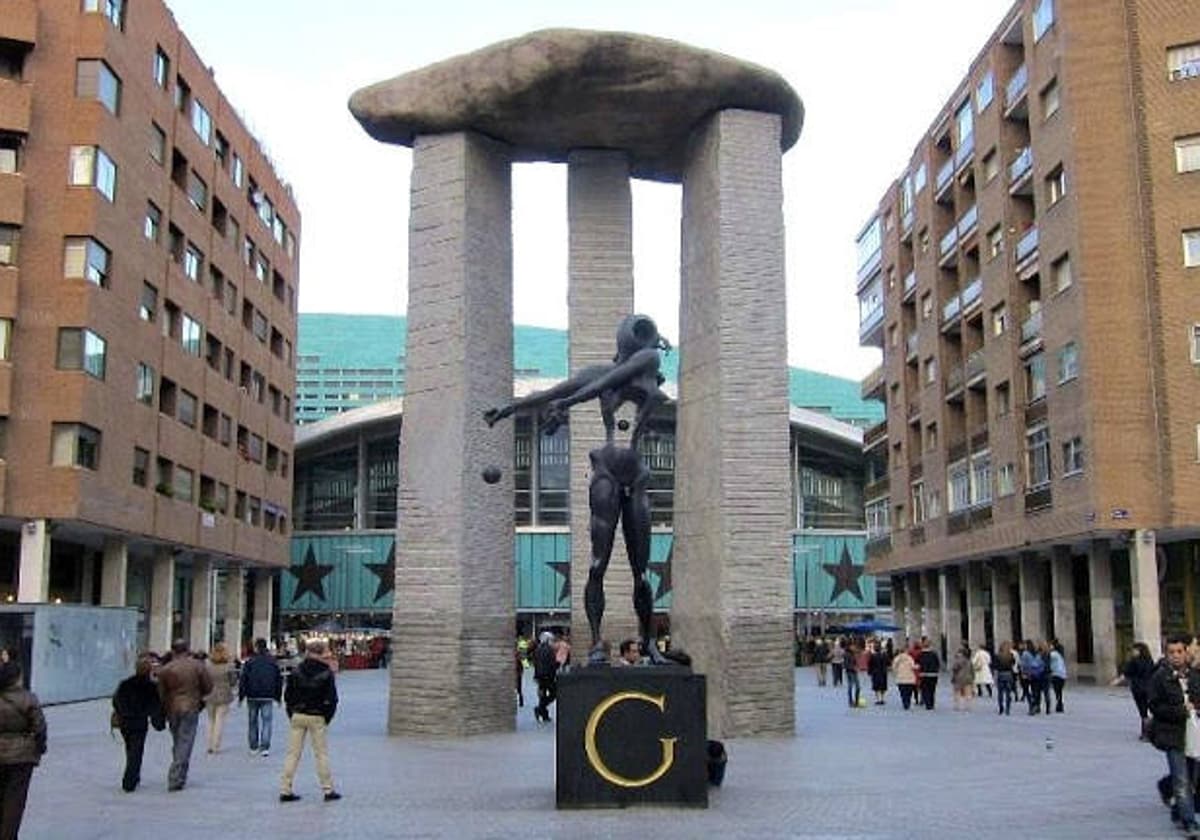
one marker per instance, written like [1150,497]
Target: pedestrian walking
[1136,673]
[183,683]
[1006,680]
[877,667]
[837,661]
[1033,672]
[981,666]
[22,745]
[930,664]
[311,701]
[1174,695]
[851,662]
[137,707]
[223,677]
[259,686]
[1058,675]
[821,654]
[545,674]
[905,669]
[962,680]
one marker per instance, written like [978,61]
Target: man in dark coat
[311,700]
[260,685]
[183,683]
[545,674]
[137,707]
[1174,695]
[930,664]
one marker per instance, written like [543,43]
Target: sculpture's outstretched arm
[558,392]
[616,377]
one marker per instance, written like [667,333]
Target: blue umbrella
[870,626]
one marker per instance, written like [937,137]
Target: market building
[148,282]
[1030,277]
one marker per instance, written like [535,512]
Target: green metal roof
[362,341]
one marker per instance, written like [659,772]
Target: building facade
[1029,278]
[148,281]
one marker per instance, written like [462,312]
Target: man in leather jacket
[1174,695]
[310,700]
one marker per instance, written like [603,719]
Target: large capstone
[552,91]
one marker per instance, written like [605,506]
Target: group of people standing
[1034,669]
[171,692]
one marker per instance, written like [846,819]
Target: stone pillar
[1062,589]
[162,600]
[200,631]
[264,604]
[976,629]
[114,574]
[951,587]
[1143,584]
[454,545]
[733,583]
[1002,629]
[599,295]
[932,596]
[899,603]
[362,489]
[912,625]
[33,577]
[235,608]
[1104,626]
[1032,594]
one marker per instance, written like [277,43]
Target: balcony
[906,224]
[951,310]
[967,222]
[15,99]
[873,384]
[1027,249]
[947,245]
[874,490]
[1031,333]
[952,384]
[971,296]
[965,152]
[979,438]
[880,544]
[869,269]
[1020,172]
[874,436]
[916,535]
[914,411]
[1038,498]
[1016,94]
[976,370]
[870,328]
[945,177]
[910,346]
[910,286]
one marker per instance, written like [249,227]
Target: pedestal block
[631,736]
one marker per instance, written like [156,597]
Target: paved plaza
[873,772]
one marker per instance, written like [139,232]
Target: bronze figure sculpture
[617,491]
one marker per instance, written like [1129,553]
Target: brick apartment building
[148,271]
[1031,278]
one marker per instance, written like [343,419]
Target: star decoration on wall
[663,570]
[386,572]
[562,567]
[310,576]
[845,576]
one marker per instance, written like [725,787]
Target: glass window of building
[1060,273]
[981,478]
[1037,456]
[193,262]
[554,478]
[74,445]
[1191,248]
[148,304]
[94,79]
[523,469]
[158,144]
[197,190]
[10,152]
[918,502]
[1187,154]
[152,227]
[144,385]
[1035,377]
[141,466]
[86,259]
[6,329]
[90,166]
[325,490]
[831,488]
[985,91]
[161,69]
[237,172]
[383,481]
[114,10]
[920,177]
[1183,62]
[1072,454]
[1056,185]
[958,487]
[1006,480]
[1043,18]
[183,482]
[10,240]
[1195,343]
[1003,400]
[186,408]
[991,168]
[201,122]
[1050,99]
[1068,362]
[81,349]
[191,336]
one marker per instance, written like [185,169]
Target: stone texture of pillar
[912,587]
[1033,593]
[732,607]
[114,572]
[931,594]
[1002,629]
[951,589]
[976,607]
[235,608]
[1143,583]
[264,604]
[200,629]
[899,603]
[454,547]
[599,295]
[33,577]
[1104,626]
[162,601]
[362,487]
[1062,591]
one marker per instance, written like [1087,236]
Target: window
[148,305]
[1006,480]
[991,165]
[152,227]
[91,167]
[183,95]
[248,251]
[221,150]
[1037,456]
[926,306]
[158,144]
[1068,362]
[186,408]
[74,445]
[933,504]
[1191,248]
[10,239]
[1195,343]
[259,326]
[192,335]
[930,370]
[201,122]
[162,68]
[918,502]
[170,322]
[141,466]
[1072,453]
[1183,62]
[995,239]
[86,259]
[919,179]
[168,397]
[81,349]
[262,268]
[1187,154]
[144,387]
[6,328]
[981,478]
[197,190]
[1035,377]
[193,262]
[1056,185]
[10,152]
[182,483]
[164,470]
[985,91]
[237,172]
[225,429]
[114,10]
[94,79]
[1049,97]
[1060,273]
[958,487]
[1043,18]
[1003,399]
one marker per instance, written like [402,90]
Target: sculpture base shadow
[631,736]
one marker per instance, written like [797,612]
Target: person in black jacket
[260,683]
[137,707]
[310,700]
[1136,672]
[545,674]
[1174,696]
[930,664]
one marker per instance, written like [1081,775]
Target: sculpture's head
[638,332]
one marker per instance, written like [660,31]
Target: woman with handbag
[22,743]
[136,706]
[224,677]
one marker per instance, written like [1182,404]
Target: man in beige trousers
[311,700]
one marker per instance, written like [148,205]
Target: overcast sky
[873,75]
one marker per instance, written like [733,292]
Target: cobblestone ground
[873,772]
